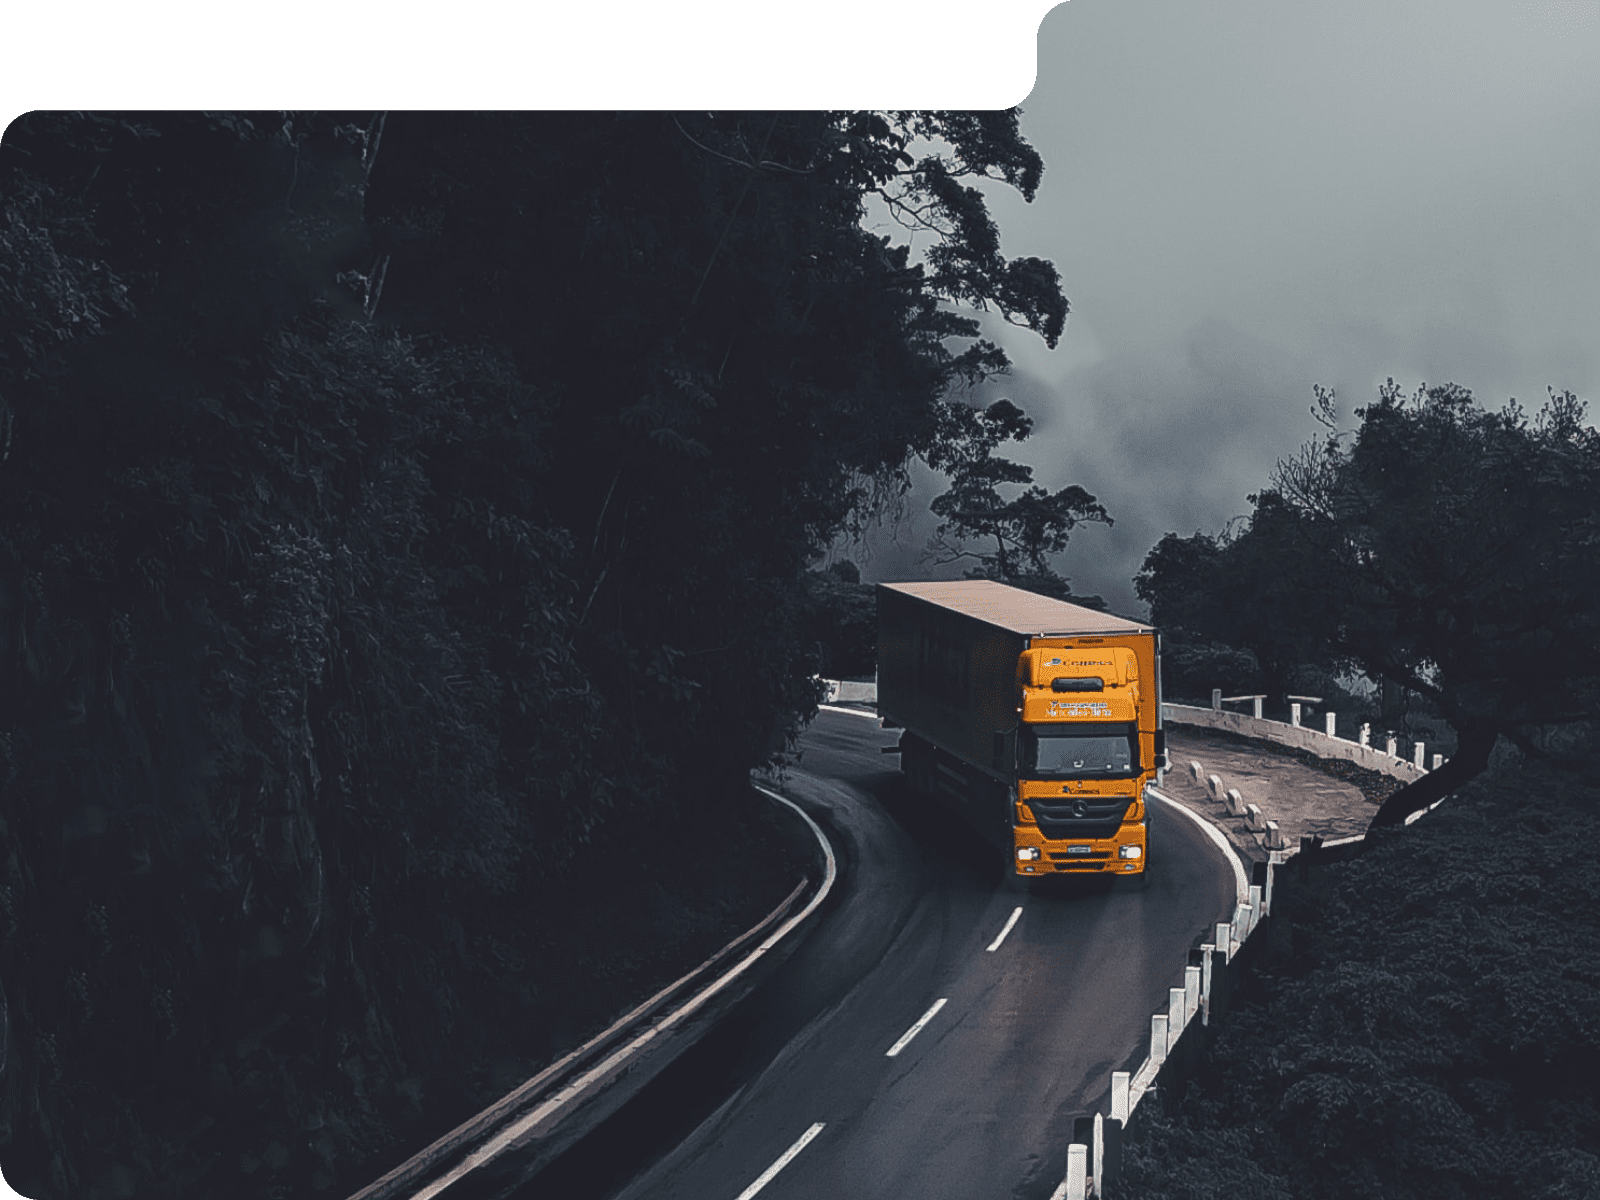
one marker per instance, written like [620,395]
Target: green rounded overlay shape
[476,55]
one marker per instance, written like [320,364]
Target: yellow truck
[1037,721]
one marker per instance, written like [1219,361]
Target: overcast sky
[1246,197]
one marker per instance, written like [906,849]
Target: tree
[289,705]
[1442,547]
[1025,529]
[1230,590]
[842,621]
[394,507]
[734,362]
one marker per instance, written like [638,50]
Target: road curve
[995,1050]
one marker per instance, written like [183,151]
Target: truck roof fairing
[1020,612]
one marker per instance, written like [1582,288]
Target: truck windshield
[1078,751]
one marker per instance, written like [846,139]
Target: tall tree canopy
[1210,592]
[1015,536]
[733,362]
[1440,546]
[393,506]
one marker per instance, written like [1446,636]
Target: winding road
[935,1035]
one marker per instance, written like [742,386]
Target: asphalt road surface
[1007,1045]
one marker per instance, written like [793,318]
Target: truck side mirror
[1161,749]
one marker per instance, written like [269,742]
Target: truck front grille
[1101,818]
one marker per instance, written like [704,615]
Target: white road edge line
[1015,913]
[522,1128]
[784,1160]
[856,711]
[1241,881]
[905,1038]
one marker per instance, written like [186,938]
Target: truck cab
[1038,721]
[1080,772]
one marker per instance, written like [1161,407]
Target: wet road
[1013,1042]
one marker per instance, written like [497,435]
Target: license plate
[1078,849]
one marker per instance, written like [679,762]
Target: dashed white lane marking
[784,1160]
[905,1038]
[1015,913]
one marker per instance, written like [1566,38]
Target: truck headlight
[1027,853]
[1129,851]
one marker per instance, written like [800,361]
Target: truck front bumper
[1035,855]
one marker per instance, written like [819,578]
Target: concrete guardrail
[572,1096]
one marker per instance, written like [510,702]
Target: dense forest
[1422,1024]
[1422,1020]
[407,525]
[1445,550]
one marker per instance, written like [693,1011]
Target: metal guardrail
[534,1109]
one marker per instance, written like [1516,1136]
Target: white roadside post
[1176,999]
[1389,746]
[1121,1082]
[1097,1157]
[1158,1038]
[1216,699]
[1255,905]
[1225,940]
[1214,786]
[1416,755]
[1206,951]
[1366,733]
[1255,707]
[1294,714]
[1191,993]
[1330,722]
[1438,761]
[1235,802]
[1077,1172]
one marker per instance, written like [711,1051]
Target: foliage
[1430,1030]
[1240,589]
[1192,666]
[842,619]
[256,783]
[399,513]
[775,355]
[1027,528]
[1442,547]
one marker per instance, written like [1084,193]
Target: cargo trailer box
[1003,695]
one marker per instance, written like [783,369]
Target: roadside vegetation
[1425,1021]
[1424,1018]
[405,525]
[1441,549]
